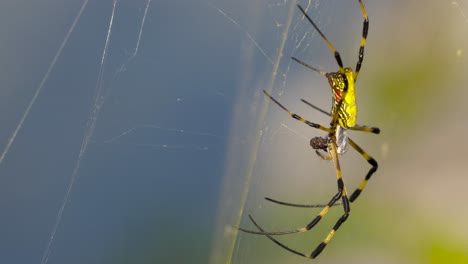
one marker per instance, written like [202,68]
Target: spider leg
[312,223]
[335,53]
[297,117]
[308,66]
[365,29]
[374,130]
[276,241]
[371,171]
[345,202]
[300,205]
[316,107]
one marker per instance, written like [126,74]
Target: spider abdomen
[343,84]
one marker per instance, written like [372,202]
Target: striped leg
[374,130]
[335,53]
[371,171]
[365,29]
[297,117]
[345,202]
[312,223]
[301,205]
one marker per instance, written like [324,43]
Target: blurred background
[136,131]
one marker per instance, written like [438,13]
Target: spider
[343,117]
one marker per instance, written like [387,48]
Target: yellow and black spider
[343,114]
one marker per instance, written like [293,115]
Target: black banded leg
[374,130]
[297,117]
[371,171]
[315,107]
[365,29]
[345,202]
[311,224]
[341,193]
[300,205]
[335,53]
[308,66]
[324,211]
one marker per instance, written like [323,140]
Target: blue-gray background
[181,114]
[134,200]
